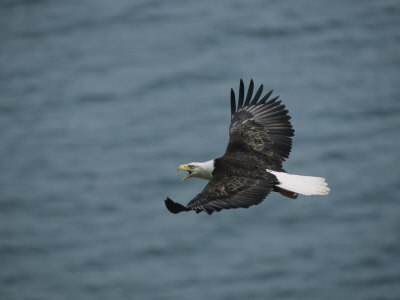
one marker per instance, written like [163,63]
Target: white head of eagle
[197,169]
[251,167]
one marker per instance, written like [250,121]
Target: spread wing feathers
[260,125]
[226,192]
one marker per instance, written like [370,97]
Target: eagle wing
[260,127]
[231,192]
[227,192]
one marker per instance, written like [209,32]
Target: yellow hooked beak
[185,168]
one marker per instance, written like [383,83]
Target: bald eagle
[260,141]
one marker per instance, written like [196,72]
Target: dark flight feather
[174,207]
[249,93]
[241,94]
[233,102]
[257,96]
[265,98]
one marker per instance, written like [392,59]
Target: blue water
[100,101]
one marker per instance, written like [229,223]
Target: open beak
[185,168]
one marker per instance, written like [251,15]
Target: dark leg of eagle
[286,193]
[174,207]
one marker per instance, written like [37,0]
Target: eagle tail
[305,185]
[175,207]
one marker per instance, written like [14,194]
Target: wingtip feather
[257,96]
[174,207]
[249,93]
[233,102]
[241,94]
[265,98]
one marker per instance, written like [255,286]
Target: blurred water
[100,101]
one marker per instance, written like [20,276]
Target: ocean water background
[100,101]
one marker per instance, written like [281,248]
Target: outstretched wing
[224,192]
[260,126]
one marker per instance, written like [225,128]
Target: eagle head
[201,170]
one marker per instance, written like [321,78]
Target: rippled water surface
[100,101]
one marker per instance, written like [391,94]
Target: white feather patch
[305,185]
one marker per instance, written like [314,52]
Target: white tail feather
[305,185]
